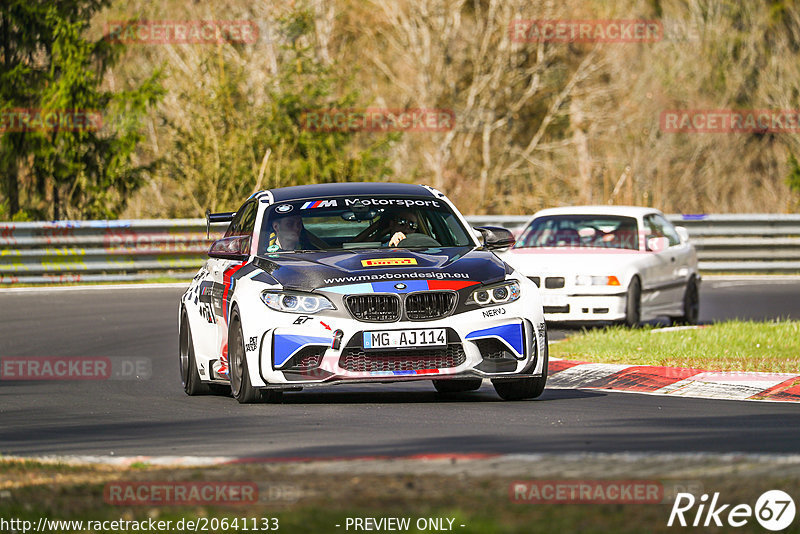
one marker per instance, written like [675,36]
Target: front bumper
[308,354]
[569,307]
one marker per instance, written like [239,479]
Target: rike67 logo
[774,510]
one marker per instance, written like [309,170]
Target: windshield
[581,231]
[360,223]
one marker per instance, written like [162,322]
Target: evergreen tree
[77,149]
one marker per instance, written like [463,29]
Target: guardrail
[748,243]
[107,251]
[101,251]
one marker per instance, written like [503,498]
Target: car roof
[298,192]
[628,211]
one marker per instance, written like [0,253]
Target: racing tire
[513,389]
[633,303]
[190,378]
[241,388]
[691,304]
[220,389]
[272,396]
[457,385]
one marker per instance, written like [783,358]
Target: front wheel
[691,304]
[190,378]
[633,303]
[241,388]
[512,389]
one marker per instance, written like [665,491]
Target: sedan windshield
[361,223]
[581,231]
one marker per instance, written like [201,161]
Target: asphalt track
[155,417]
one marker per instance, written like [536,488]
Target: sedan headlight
[296,302]
[586,280]
[496,294]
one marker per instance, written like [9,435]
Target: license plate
[554,300]
[427,337]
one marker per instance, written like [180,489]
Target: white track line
[104,287]
[205,461]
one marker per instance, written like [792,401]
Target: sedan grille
[374,308]
[358,360]
[429,305]
[554,282]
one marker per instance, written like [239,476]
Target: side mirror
[657,244]
[231,248]
[683,233]
[495,237]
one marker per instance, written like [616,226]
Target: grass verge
[728,346]
[321,502]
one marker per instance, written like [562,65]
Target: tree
[78,147]
[23,37]
[793,180]
[227,136]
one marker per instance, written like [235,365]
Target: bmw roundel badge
[400,286]
[284,208]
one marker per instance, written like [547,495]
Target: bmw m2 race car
[358,282]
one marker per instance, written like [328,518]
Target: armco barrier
[98,251]
[747,243]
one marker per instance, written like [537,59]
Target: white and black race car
[358,282]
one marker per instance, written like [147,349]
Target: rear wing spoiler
[222,217]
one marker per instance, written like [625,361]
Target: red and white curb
[675,381]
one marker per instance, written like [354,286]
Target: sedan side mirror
[683,233]
[657,244]
[231,248]
[495,237]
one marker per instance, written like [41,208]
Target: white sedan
[609,263]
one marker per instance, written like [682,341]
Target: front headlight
[586,280]
[496,294]
[296,302]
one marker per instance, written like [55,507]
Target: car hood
[562,260]
[315,270]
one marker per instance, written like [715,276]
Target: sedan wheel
[691,303]
[633,303]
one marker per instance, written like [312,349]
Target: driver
[290,234]
[401,224]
